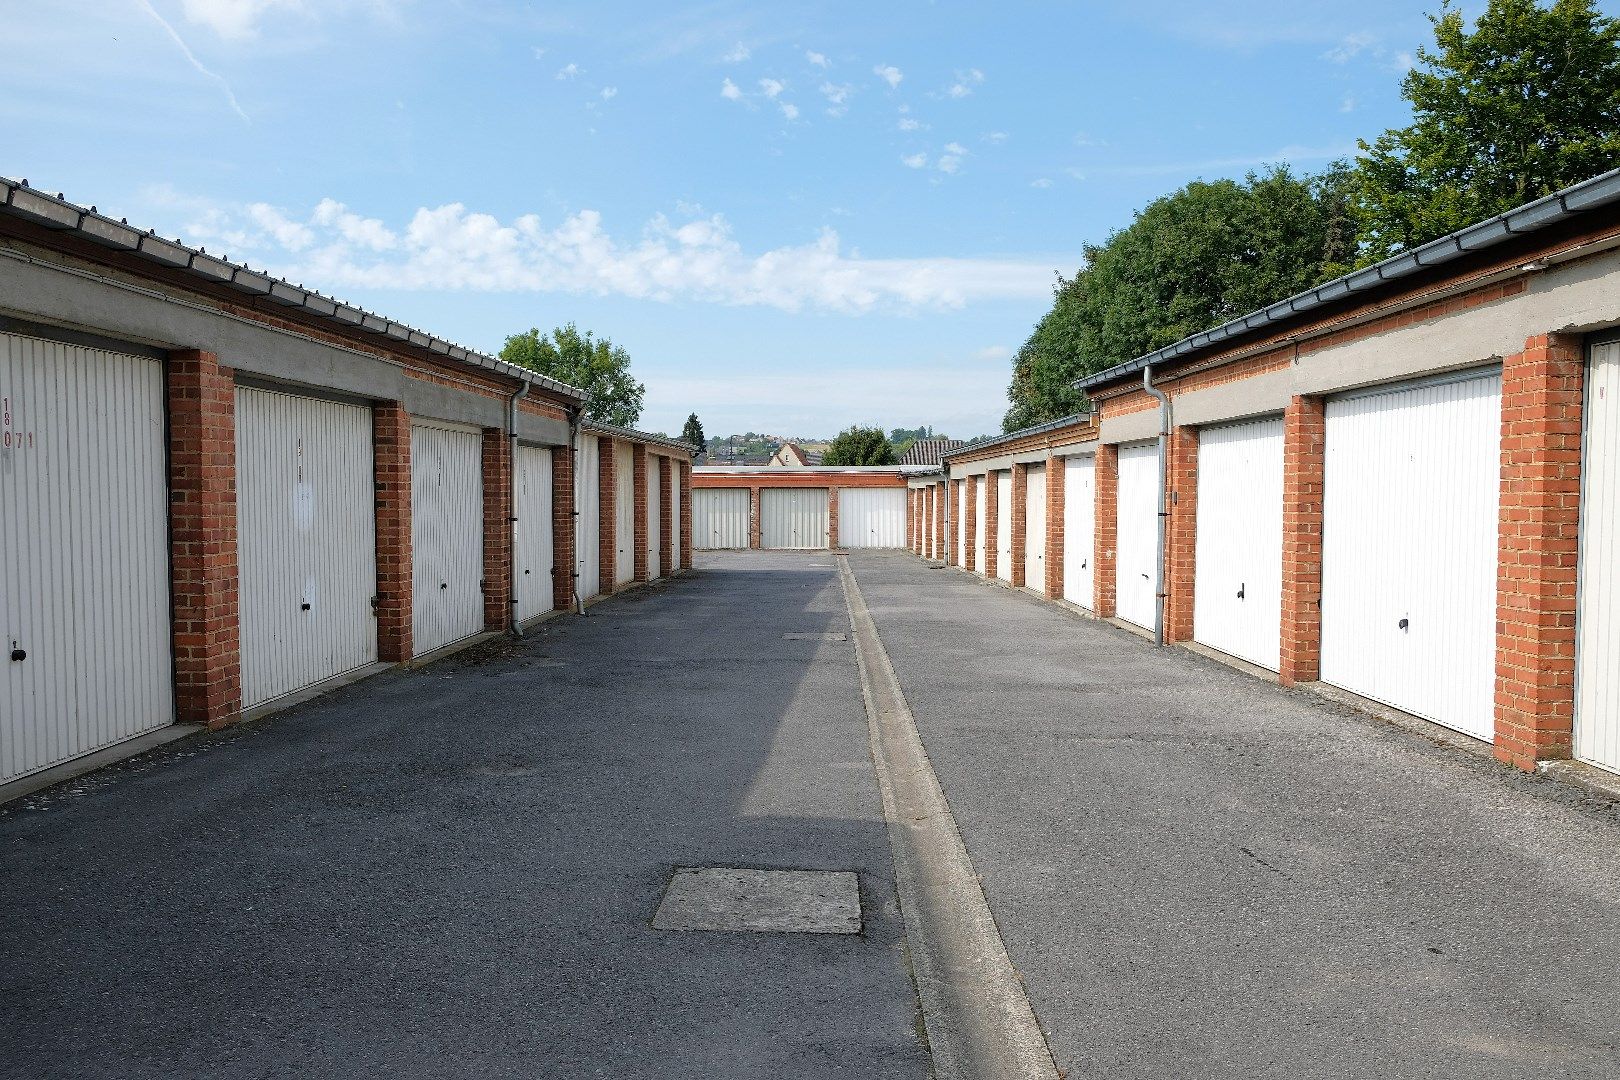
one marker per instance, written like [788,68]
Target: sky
[794,217]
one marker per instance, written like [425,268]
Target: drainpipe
[515,624]
[1164,505]
[575,415]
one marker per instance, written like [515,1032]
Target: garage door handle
[1403,624]
[1242,588]
[18,655]
[1144,577]
[444,584]
[303,607]
[1082,564]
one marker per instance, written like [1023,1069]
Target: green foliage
[1526,104]
[859,446]
[594,365]
[1207,253]
[693,433]
[910,435]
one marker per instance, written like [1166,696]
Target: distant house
[793,456]
[928,451]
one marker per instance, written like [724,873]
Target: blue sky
[794,216]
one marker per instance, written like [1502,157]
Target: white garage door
[534,550]
[84,552]
[1079,528]
[655,518]
[959,552]
[1004,525]
[447,536]
[980,498]
[1237,590]
[719,519]
[1136,573]
[793,518]
[588,526]
[1035,528]
[1409,549]
[1597,676]
[306,530]
[872,518]
[624,515]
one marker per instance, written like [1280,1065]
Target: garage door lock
[17,655]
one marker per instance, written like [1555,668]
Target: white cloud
[995,137]
[451,247]
[965,82]
[539,52]
[994,352]
[818,59]
[197,65]
[729,90]
[956,148]
[1040,182]
[609,93]
[909,124]
[1081,138]
[1348,104]
[739,52]
[789,110]
[771,87]
[232,18]
[836,93]
[569,71]
[889,74]
[1402,63]
[1350,47]
[914,161]
[1291,153]
[949,163]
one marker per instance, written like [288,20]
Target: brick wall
[1181,533]
[753,518]
[666,518]
[1056,476]
[638,487]
[608,514]
[1107,531]
[202,533]
[1537,533]
[563,553]
[832,516]
[391,453]
[970,541]
[992,491]
[497,464]
[1304,444]
[1020,520]
[686,515]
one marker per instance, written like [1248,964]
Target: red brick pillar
[832,517]
[666,518]
[391,465]
[686,515]
[1104,570]
[1020,520]
[970,535]
[1304,446]
[202,536]
[1538,528]
[939,490]
[564,555]
[638,486]
[1056,474]
[497,466]
[1181,533]
[992,492]
[607,517]
[753,518]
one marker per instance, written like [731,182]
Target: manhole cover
[815,637]
[763,901]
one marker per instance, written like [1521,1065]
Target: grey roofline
[1034,429]
[1552,209]
[56,213]
[632,435]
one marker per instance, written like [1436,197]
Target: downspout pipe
[576,413]
[1160,596]
[514,624]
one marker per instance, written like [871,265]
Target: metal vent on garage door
[447,536]
[306,530]
[1237,590]
[1409,548]
[84,552]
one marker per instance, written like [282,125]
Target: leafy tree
[1200,256]
[1527,103]
[859,446]
[693,433]
[593,364]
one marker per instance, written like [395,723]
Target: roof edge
[632,435]
[1021,433]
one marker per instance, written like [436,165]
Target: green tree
[1526,104]
[1200,256]
[859,446]
[693,433]
[595,365]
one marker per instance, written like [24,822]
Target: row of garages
[218,490]
[786,509]
[1402,485]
